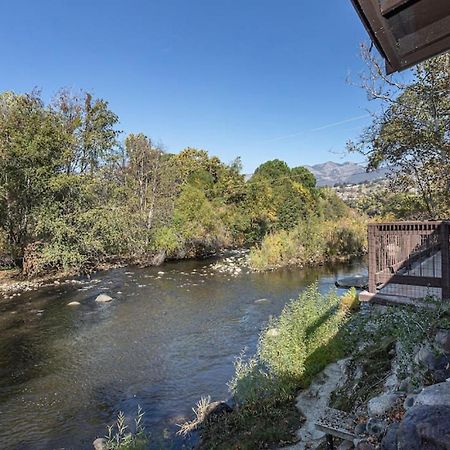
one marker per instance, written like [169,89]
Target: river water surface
[164,341]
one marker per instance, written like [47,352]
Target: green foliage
[71,197]
[121,438]
[273,170]
[395,205]
[410,327]
[311,241]
[303,176]
[411,132]
[293,348]
[30,155]
[350,300]
[279,196]
[311,332]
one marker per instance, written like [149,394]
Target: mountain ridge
[331,173]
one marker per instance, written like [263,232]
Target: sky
[259,79]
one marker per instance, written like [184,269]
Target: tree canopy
[411,134]
[74,194]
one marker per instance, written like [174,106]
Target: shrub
[350,300]
[307,336]
[312,241]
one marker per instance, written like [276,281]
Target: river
[164,341]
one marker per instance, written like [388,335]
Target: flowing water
[163,342]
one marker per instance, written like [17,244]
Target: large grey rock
[103,298]
[100,444]
[436,394]
[364,445]
[361,428]
[389,441]
[442,339]
[346,445]
[441,375]
[425,428]
[380,405]
[425,357]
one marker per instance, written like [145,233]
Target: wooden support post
[445,254]
[372,258]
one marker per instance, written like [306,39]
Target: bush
[307,336]
[312,241]
[310,333]
[350,300]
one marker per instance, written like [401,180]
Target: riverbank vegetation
[311,332]
[313,240]
[75,193]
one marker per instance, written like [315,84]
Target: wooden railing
[409,253]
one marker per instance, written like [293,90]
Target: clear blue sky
[259,79]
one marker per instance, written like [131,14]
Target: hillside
[331,173]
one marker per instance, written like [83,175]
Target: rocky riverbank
[392,392]
[13,284]
[384,403]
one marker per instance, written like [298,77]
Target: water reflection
[166,339]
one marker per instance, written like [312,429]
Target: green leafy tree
[90,128]
[32,144]
[411,134]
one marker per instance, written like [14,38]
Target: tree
[32,143]
[303,176]
[90,127]
[411,134]
[273,170]
[144,170]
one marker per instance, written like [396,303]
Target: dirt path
[312,402]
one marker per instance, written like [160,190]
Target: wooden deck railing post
[371,243]
[445,254]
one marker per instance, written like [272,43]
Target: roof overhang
[406,32]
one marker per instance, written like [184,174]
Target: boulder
[436,394]
[406,385]
[361,428]
[380,405]
[376,427]
[389,441]
[103,298]
[346,445]
[442,340]
[441,362]
[409,401]
[425,428]
[425,357]
[73,304]
[441,375]
[359,281]
[364,445]
[100,444]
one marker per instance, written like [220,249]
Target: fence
[409,258]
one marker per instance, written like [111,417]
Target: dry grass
[200,410]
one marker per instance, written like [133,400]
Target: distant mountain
[332,173]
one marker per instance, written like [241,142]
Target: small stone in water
[103,298]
